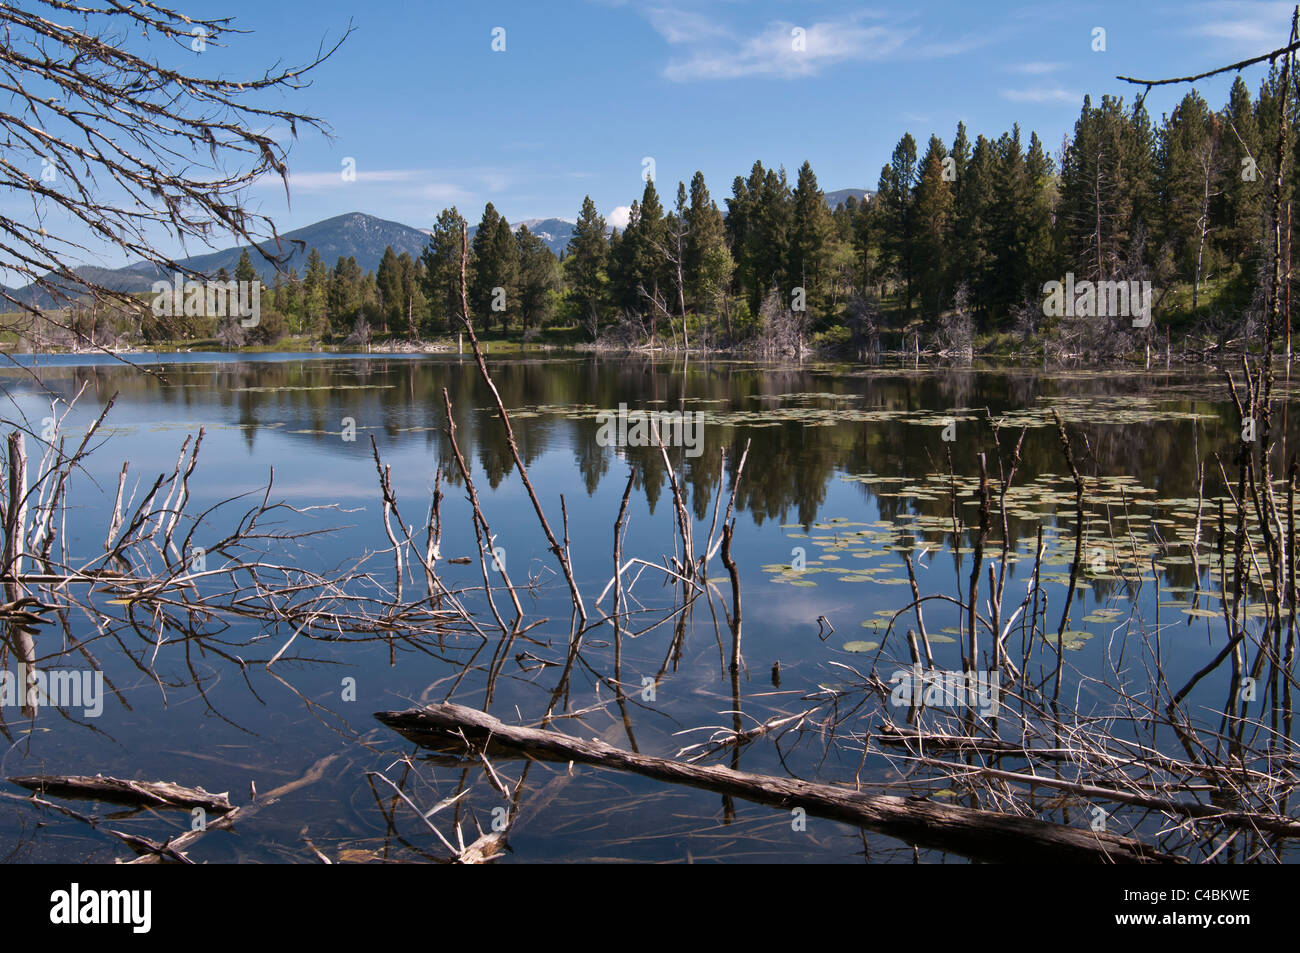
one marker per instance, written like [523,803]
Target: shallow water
[848,467]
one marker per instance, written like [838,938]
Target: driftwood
[181,843]
[119,791]
[978,834]
[891,734]
[136,843]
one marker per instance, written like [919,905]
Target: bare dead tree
[120,145]
[1211,161]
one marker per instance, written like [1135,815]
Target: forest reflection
[805,425]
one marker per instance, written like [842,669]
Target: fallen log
[121,791]
[489,847]
[182,842]
[983,835]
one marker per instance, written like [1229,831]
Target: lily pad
[858,646]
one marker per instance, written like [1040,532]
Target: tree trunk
[982,834]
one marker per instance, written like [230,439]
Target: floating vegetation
[1072,639]
[287,388]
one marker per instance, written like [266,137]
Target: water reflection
[855,467]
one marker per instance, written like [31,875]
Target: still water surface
[848,466]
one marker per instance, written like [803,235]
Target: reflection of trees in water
[790,465]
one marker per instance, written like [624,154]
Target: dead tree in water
[976,833]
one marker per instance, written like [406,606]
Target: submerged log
[120,791]
[984,835]
[181,843]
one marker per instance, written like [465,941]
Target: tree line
[966,231]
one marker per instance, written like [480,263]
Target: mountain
[353,234]
[556,232]
[837,198]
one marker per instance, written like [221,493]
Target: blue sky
[584,91]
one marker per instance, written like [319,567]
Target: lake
[850,468]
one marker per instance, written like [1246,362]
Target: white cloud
[618,217]
[1036,69]
[1246,27]
[714,52]
[941,49]
[447,186]
[683,27]
[1042,95]
[442,192]
[318,181]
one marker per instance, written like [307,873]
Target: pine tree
[585,267]
[807,264]
[1244,184]
[767,235]
[865,244]
[933,216]
[345,294]
[709,265]
[896,192]
[960,153]
[739,222]
[960,239]
[315,288]
[1268,103]
[648,240]
[1040,244]
[290,302]
[1009,276]
[538,279]
[1190,165]
[441,261]
[676,224]
[244,271]
[972,249]
[758,226]
[1087,195]
[1107,186]
[388,278]
[495,259]
[622,265]
[411,301]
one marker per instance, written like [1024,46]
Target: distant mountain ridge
[353,234]
[840,196]
[556,232]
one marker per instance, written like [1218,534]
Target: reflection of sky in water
[287,412]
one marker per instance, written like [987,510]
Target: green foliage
[388,280]
[585,268]
[272,326]
[495,257]
[442,264]
[537,281]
